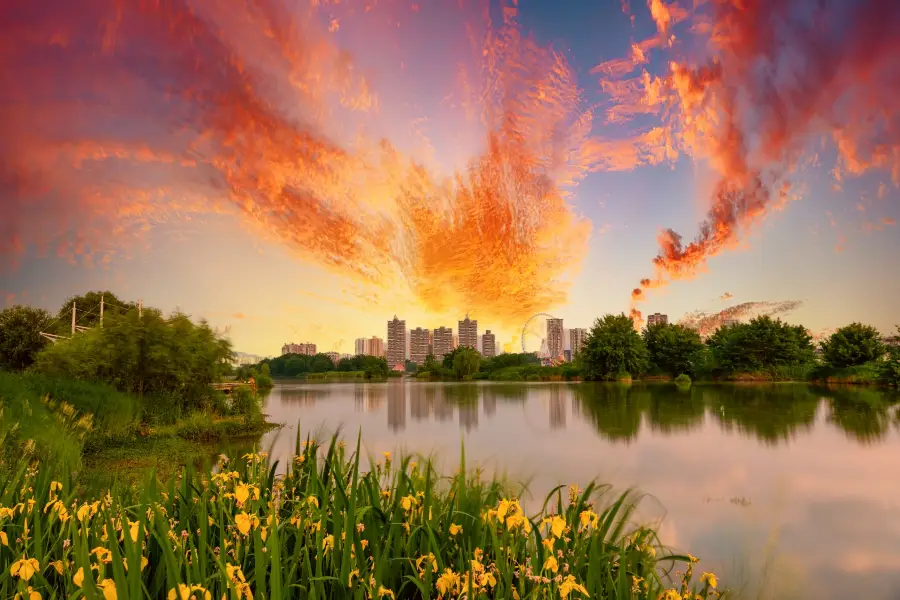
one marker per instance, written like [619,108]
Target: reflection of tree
[672,409]
[771,413]
[863,414]
[461,393]
[610,407]
[302,397]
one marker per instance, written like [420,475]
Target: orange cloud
[706,323]
[192,107]
[238,315]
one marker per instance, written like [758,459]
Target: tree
[87,311]
[853,345]
[672,348]
[466,362]
[20,336]
[889,371]
[171,359]
[760,346]
[613,347]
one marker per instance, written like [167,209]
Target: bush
[245,403]
[853,345]
[889,369]
[198,427]
[683,380]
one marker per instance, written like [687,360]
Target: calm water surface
[786,490]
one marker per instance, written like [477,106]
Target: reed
[327,528]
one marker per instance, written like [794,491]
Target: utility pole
[140,308]
[73,318]
[101,311]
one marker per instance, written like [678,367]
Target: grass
[328,529]
[337,375]
[868,374]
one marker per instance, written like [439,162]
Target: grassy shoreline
[329,530]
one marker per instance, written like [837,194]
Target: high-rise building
[373,346]
[577,337]
[555,337]
[730,322]
[488,344]
[396,348]
[657,319]
[308,349]
[443,342]
[468,333]
[418,345]
[334,356]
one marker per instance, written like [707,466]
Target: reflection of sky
[828,500]
[213,267]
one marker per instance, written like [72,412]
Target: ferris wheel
[534,334]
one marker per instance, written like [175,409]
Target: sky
[299,171]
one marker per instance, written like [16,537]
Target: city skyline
[431,204]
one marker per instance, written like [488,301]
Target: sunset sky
[286,169]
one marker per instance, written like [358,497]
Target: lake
[784,490]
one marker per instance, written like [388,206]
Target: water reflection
[773,414]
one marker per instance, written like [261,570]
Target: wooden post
[140,308]
[73,318]
[101,311]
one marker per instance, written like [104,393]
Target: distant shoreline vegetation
[763,350]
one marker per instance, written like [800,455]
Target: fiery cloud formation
[726,296]
[773,83]
[706,323]
[122,114]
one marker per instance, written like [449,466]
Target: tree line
[763,347]
[298,365]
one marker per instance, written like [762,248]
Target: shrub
[683,380]
[853,345]
[198,427]
[889,369]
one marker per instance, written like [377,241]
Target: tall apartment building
[555,337]
[373,346]
[418,345]
[307,349]
[334,356]
[468,333]
[488,344]
[443,342]
[577,337]
[657,319]
[730,322]
[396,348]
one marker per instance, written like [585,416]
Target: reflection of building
[306,349]
[468,333]
[657,319]
[373,346]
[396,350]
[443,342]
[577,337]
[368,398]
[554,337]
[418,345]
[488,344]
[489,399]
[557,408]
[397,406]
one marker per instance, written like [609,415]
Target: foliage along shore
[133,393]
[329,529]
[764,349]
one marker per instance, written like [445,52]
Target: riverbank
[104,435]
[398,530]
